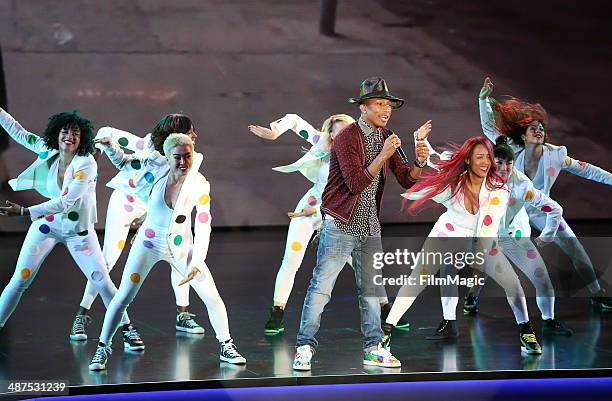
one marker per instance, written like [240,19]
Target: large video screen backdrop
[233,63]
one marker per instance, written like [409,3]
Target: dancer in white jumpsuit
[521,250]
[177,188]
[524,124]
[476,202]
[64,172]
[126,209]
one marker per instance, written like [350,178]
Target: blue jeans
[334,249]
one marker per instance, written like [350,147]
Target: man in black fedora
[361,156]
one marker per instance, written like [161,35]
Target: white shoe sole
[302,368]
[129,347]
[199,330]
[97,366]
[533,352]
[382,365]
[78,337]
[235,361]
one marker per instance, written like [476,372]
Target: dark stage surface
[35,344]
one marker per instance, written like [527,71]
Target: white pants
[144,254]
[122,210]
[41,238]
[495,265]
[571,246]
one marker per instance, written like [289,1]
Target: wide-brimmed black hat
[376,88]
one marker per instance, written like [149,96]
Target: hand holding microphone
[421,145]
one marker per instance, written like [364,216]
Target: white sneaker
[381,357]
[302,358]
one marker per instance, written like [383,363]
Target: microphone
[400,151]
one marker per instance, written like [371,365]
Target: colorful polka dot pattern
[449,227]
[546,209]
[135,278]
[96,276]
[140,145]
[518,234]
[316,138]
[487,221]
[178,240]
[131,183]
[304,134]
[561,226]
[148,244]
[551,171]
[149,177]
[493,251]
[495,201]
[25,273]
[74,216]
[312,200]
[128,208]
[581,163]
[65,192]
[121,244]
[539,272]
[296,246]
[136,165]
[31,139]
[79,175]
[83,233]
[43,154]
[203,217]
[567,161]
[181,219]
[529,196]
[149,233]
[130,198]
[50,218]
[511,202]
[204,199]
[532,254]
[123,141]
[44,229]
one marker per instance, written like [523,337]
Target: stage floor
[35,345]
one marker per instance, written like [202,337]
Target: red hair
[513,116]
[453,173]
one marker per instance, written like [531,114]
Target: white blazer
[77,202]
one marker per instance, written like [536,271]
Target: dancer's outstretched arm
[585,170]
[291,122]
[123,139]
[22,136]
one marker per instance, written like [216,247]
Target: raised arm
[585,170]
[75,189]
[22,136]
[116,155]
[487,118]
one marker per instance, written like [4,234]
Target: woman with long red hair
[476,200]
[525,126]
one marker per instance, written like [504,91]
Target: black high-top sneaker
[556,327]
[470,305]
[447,330]
[275,324]
[387,329]
[529,342]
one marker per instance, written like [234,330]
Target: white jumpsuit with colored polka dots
[554,159]
[458,232]
[166,235]
[314,165]
[68,217]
